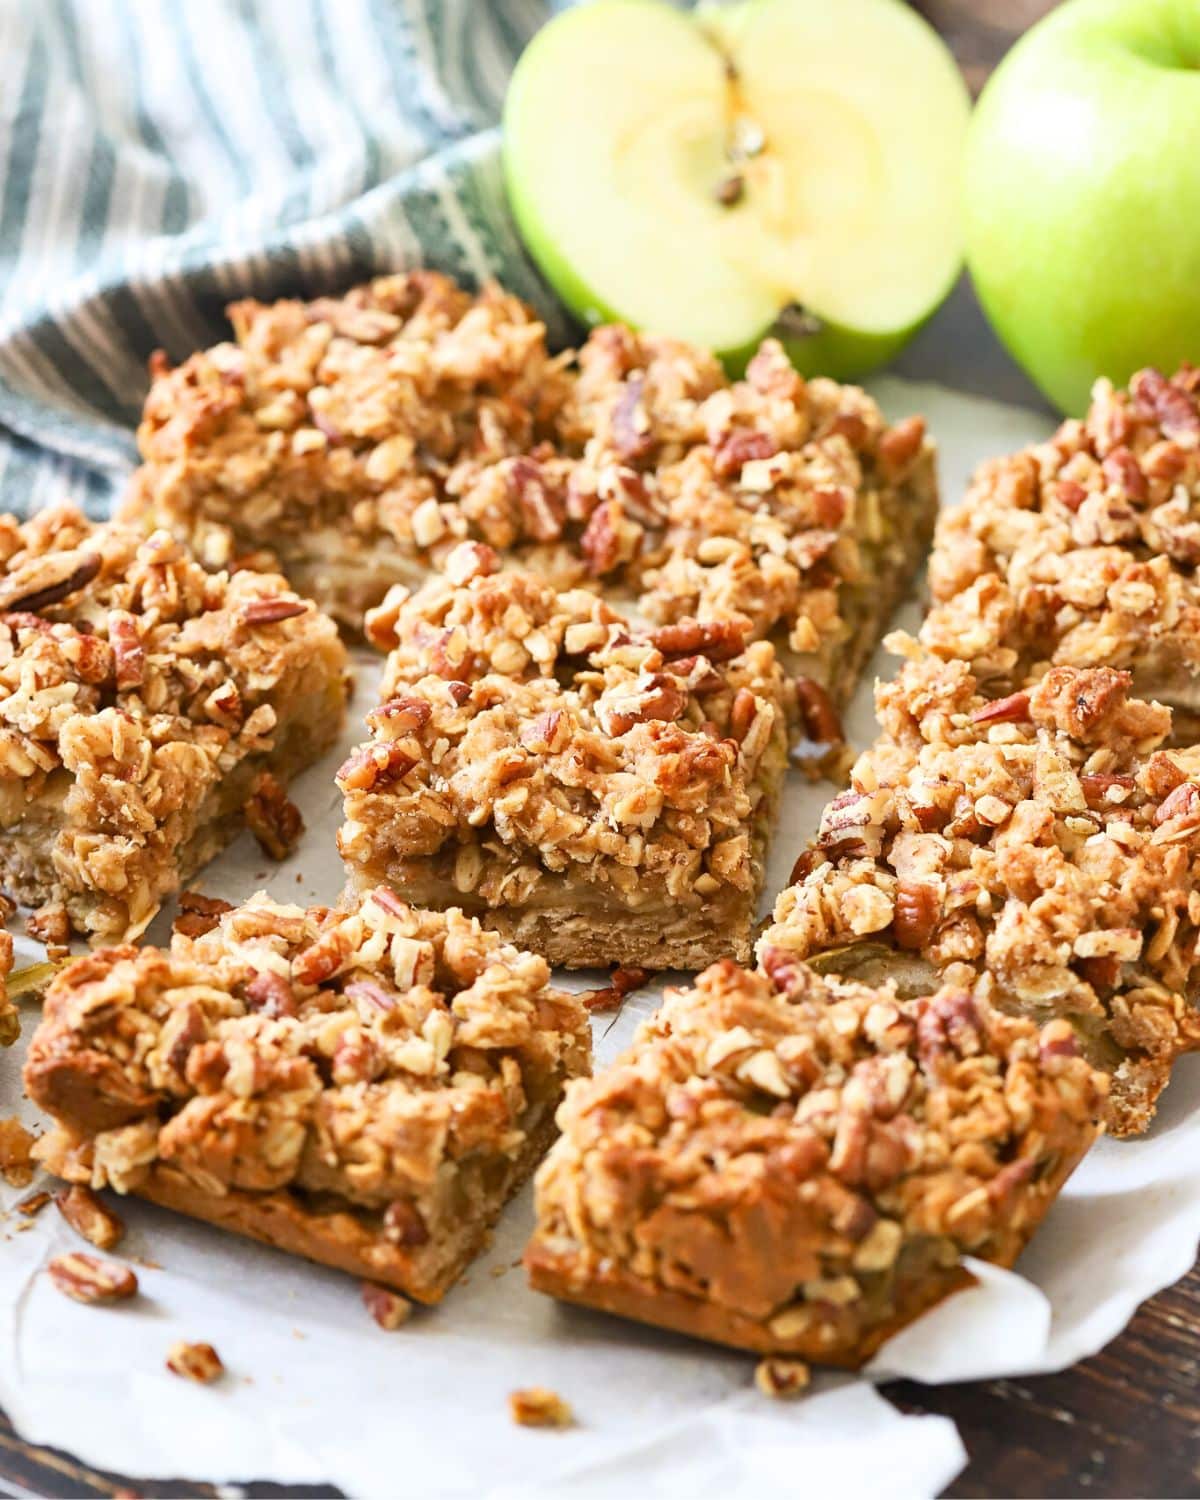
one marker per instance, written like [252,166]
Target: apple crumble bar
[357,440]
[148,707]
[786,504]
[327,433]
[798,1165]
[1042,842]
[364,1087]
[1082,551]
[595,792]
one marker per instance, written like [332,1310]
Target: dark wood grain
[1126,1422]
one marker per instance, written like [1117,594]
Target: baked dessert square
[789,505]
[364,1087]
[600,793]
[1043,845]
[354,441]
[1082,551]
[325,434]
[149,708]
[797,1165]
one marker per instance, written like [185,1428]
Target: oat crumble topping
[797,1165]
[1042,841]
[600,792]
[141,700]
[364,1086]
[359,439]
[1082,550]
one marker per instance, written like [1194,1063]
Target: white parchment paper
[315,1392]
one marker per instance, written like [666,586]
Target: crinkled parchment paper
[315,1392]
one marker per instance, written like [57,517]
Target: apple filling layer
[364,1087]
[148,709]
[1042,847]
[798,1165]
[356,441]
[1082,551]
[602,792]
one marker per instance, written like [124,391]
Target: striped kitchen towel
[159,158]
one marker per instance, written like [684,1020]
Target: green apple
[1083,194]
[775,166]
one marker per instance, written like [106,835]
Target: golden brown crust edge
[340,1240]
[365,1088]
[800,1166]
[612,1289]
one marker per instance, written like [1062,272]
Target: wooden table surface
[1124,1423]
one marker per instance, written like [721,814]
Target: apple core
[697,174]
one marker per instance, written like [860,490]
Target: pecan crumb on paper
[782,1378]
[87,1278]
[198,1362]
[90,1217]
[535,1406]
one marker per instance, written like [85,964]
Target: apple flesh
[779,166]
[1083,194]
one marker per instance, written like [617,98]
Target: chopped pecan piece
[271,994]
[782,1378]
[1011,710]
[631,424]
[738,446]
[1104,789]
[51,925]
[1070,494]
[471,560]
[821,721]
[547,734]
[916,914]
[129,655]
[900,445]
[624,979]
[659,697]
[535,1406]
[1174,408]
[543,509]
[716,639]
[271,611]
[374,765]
[1183,802]
[403,1224]
[1123,471]
[48,580]
[604,542]
[89,1216]
[87,1278]
[389,1309]
[372,993]
[742,713]
[273,820]
[198,1362]
[199,914]
[405,715]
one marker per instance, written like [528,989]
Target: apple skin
[1083,195]
[839,353]
[835,351]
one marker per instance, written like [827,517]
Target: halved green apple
[776,166]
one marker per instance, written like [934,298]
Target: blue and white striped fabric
[159,158]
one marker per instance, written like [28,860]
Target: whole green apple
[1083,194]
